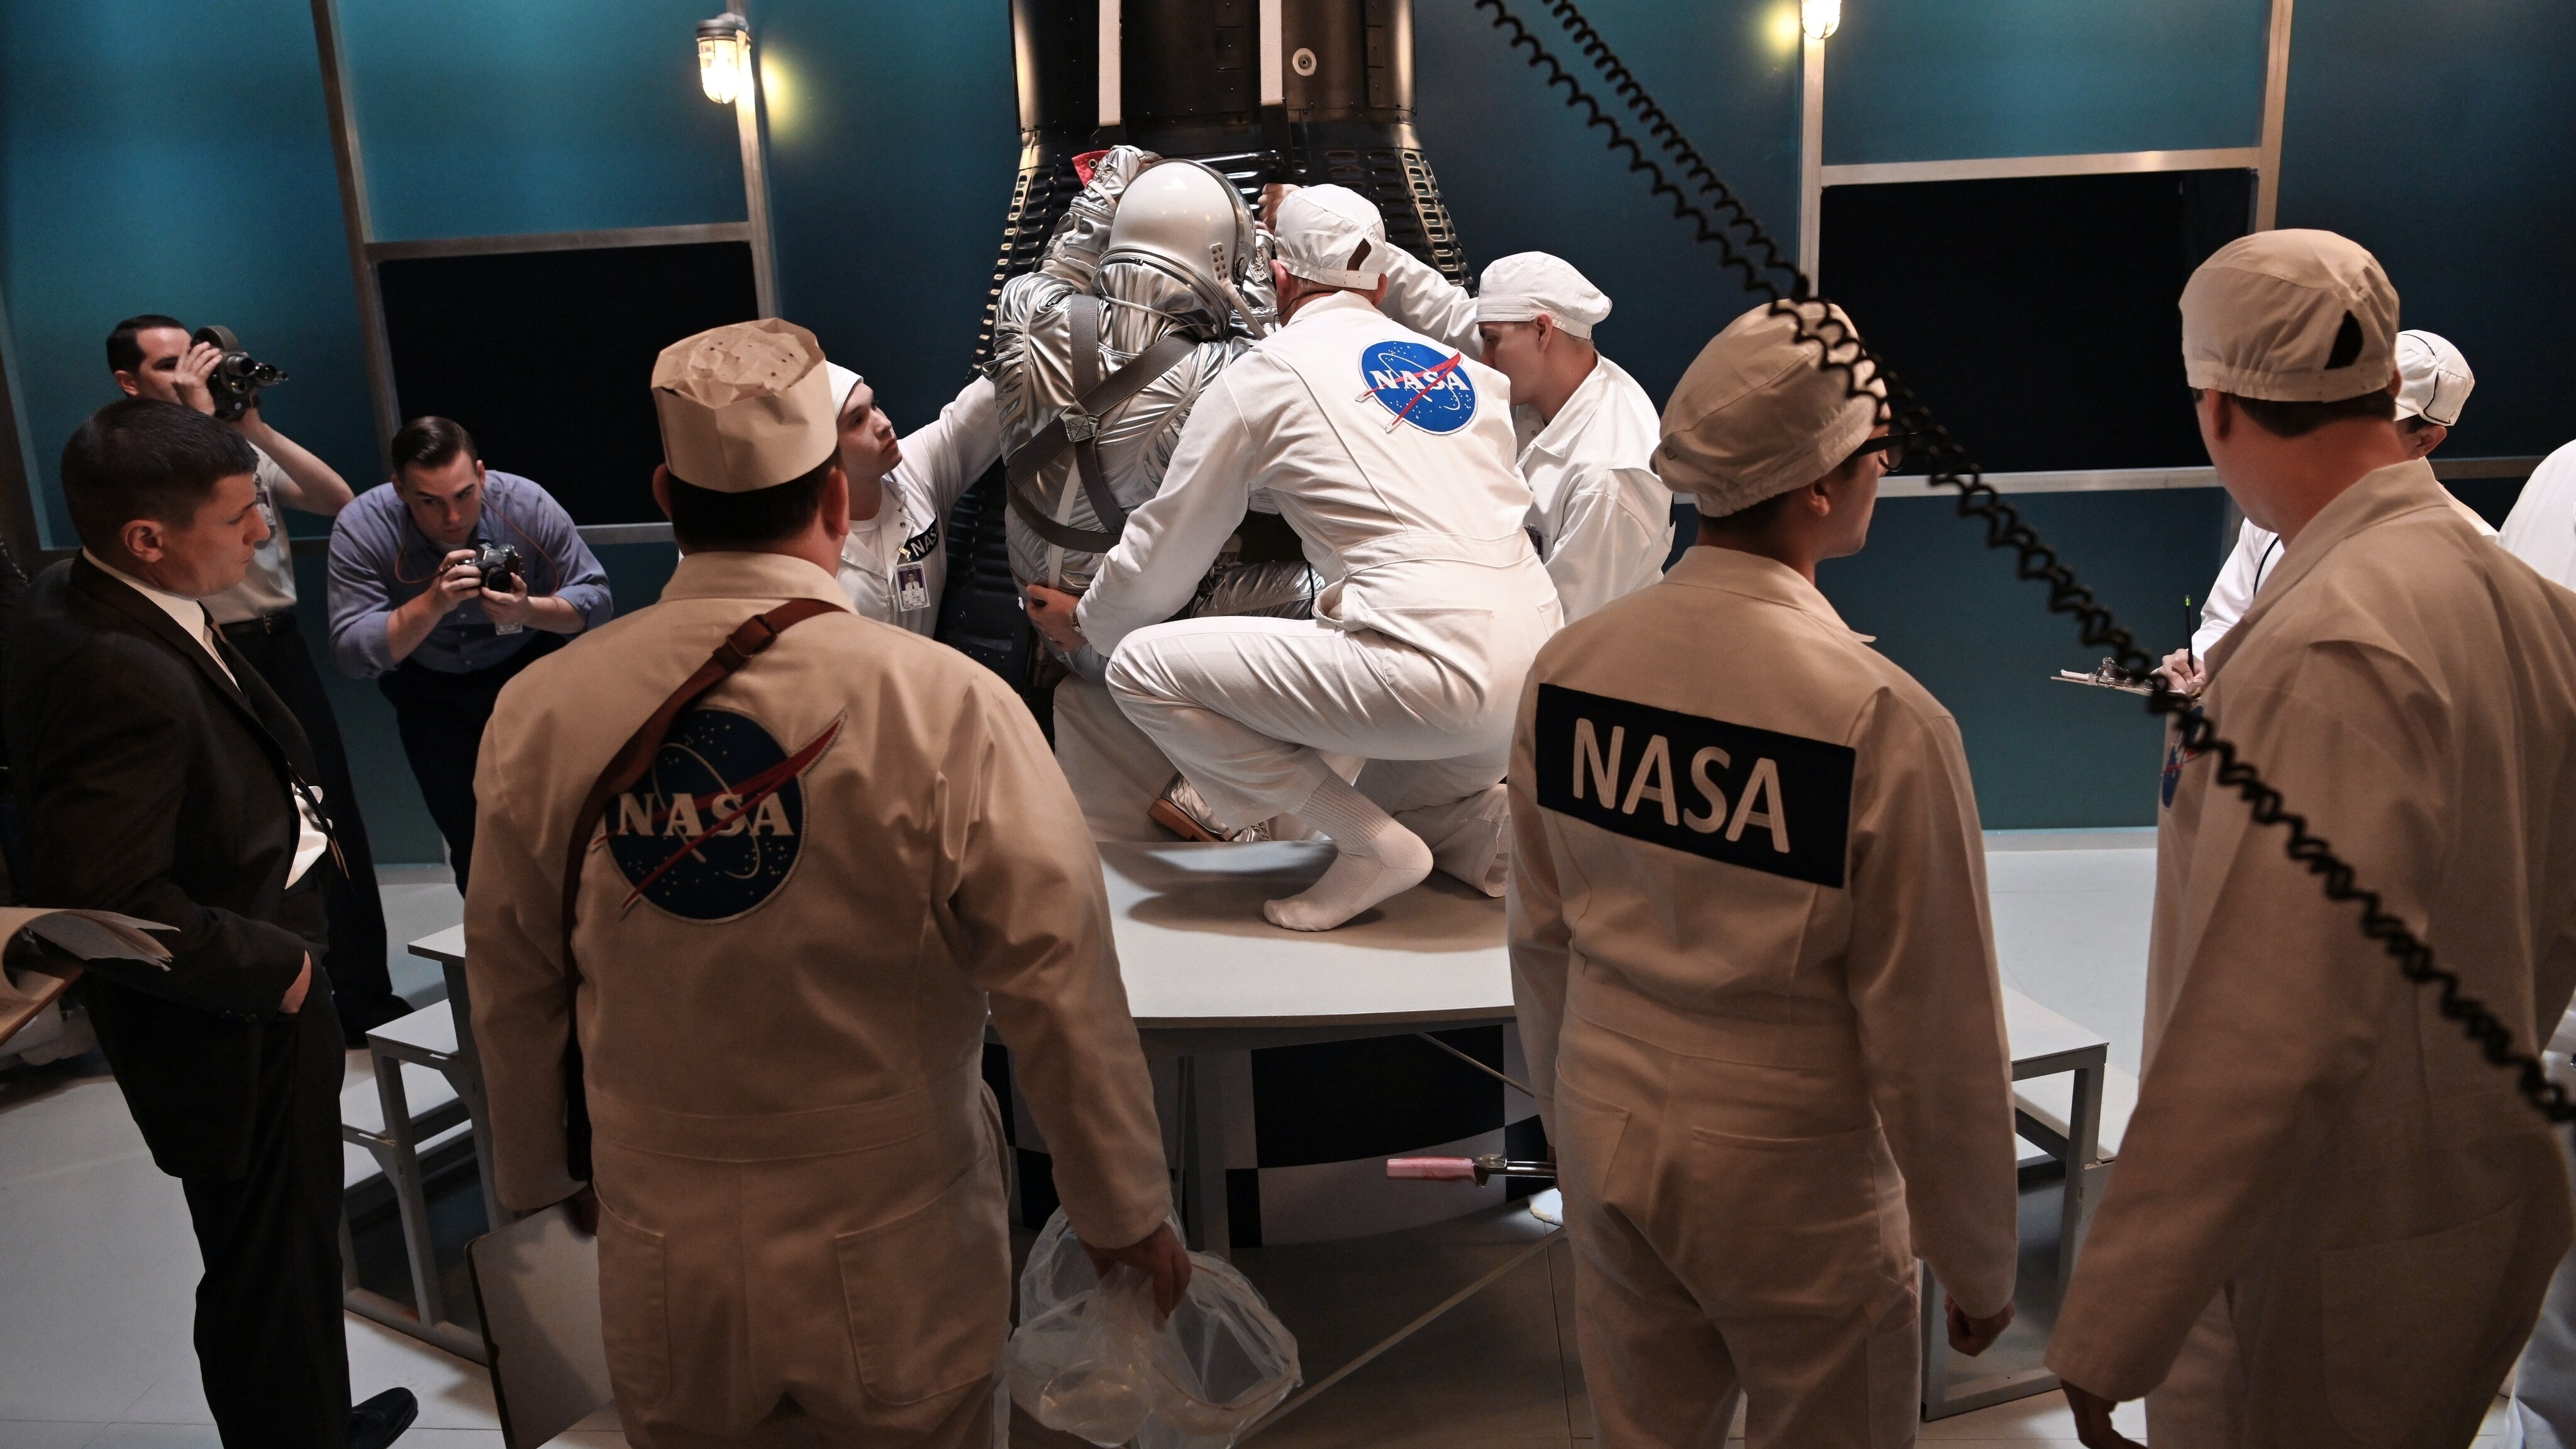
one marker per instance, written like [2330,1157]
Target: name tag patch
[715,827]
[919,546]
[1750,797]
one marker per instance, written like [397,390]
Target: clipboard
[536,1284]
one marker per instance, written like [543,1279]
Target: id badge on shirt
[911,586]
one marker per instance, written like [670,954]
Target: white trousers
[1249,708]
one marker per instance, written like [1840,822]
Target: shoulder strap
[1076,428]
[626,767]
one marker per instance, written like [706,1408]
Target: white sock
[1378,858]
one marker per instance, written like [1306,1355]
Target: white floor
[97,1265]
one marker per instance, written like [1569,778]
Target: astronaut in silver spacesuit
[1152,283]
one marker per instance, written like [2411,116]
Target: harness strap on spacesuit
[626,767]
[1077,428]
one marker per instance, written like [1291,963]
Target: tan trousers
[1737,1228]
[834,1277]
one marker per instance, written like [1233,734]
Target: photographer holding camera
[153,355]
[445,583]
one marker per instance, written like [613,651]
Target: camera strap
[627,766]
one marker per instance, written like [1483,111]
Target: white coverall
[895,565]
[2249,566]
[2333,1219]
[1756,984]
[782,1020]
[1401,485]
[2541,531]
[1603,520]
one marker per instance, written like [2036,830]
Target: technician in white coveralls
[1391,457]
[894,564]
[2433,384]
[1755,979]
[1602,520]
[2541,531]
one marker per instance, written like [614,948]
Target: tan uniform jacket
[1890,967]
[2310,1127]
[808,986]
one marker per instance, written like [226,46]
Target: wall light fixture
[724,57]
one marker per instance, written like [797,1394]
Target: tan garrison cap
[1759,413]
[2290,316]
[745,406]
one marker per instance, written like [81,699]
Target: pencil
[2188,656]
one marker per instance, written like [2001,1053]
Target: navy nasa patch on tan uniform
[714,829]
[1750,797]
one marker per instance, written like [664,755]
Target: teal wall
[156,156]
[491,117]
[1910,81]
[2441,134]
[162,157]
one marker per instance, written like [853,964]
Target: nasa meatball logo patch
[1776,803]
[715,826]
[1419,385]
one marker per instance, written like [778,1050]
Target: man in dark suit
[161,777]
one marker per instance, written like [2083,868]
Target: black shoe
[381,1420]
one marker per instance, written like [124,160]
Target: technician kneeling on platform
[791,894]
[1750,951]
[1391,457]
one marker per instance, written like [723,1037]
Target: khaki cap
[1759,413]
[2290,316]
[744,406]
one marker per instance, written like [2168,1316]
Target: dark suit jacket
[154,786]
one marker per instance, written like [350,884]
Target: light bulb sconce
[724,57]
[1819,18]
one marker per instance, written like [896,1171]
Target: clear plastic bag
[1088,1360]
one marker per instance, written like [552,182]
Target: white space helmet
[1185,220]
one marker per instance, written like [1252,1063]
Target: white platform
[1196,951]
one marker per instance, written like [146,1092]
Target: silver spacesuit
[1157,261]
[1159,252]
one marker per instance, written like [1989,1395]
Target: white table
[1206,975]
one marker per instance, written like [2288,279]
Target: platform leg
[2083,1145]
[401,1160]
[1203,1147]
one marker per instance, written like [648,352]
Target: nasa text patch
[714,828]
[1420,385]
[1750,797]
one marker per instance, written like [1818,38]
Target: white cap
[745,406]
[2433,379]
[842,381]
[1759,412]
[1524,285]
[2290,316]
[1332,235]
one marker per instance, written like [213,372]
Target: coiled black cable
[1723,221]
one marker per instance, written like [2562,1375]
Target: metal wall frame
[2264,160]
[365,251]
[19,527]
[2123,480]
